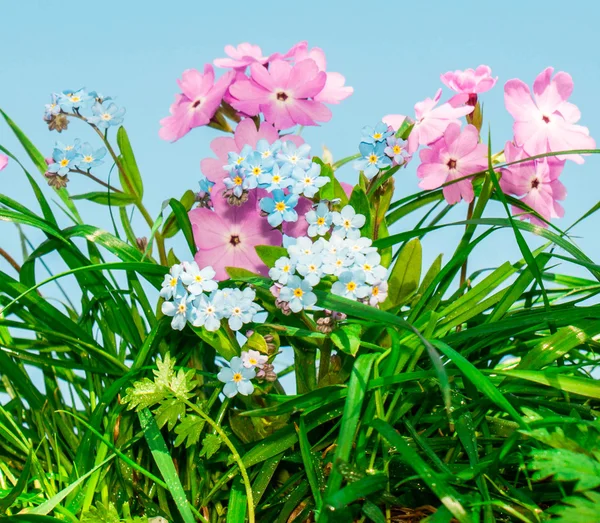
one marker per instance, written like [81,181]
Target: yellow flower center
[173,282]
[238,180]
[256,171]
[64,162]
[198,278]
[293,159]
[266,154]
[338,262]
[210,309]
[320,220]
[347,224]
[397,149]
[307,181]
[373,158]
[240,160]
[276,178]
[375,291]
[252,361]
[237,377]
[286,268]
[280,206]
[88,159]
[298,292]
[351,286]
[377,136]
[106,117]
[237,310]
[367,267]
[74,98]
[69,148]
[312,268]
[181,308]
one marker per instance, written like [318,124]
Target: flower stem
[97,180]
[236,456]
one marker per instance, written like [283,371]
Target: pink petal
[335,90]
[245,134]
[223,145]
[518,101]
[3,161]
[212,168]
[278,115]
[395,121]
[299,227]
[267,132]
[218,258]
[314,110]
[209,228]
[432,175]
[305,80]
[279,72]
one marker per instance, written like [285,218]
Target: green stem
[324,359]
[344,161]
[236,456]
[97,180]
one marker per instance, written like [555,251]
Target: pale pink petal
[278,115]
[218,258]
[3,161]
[266,132]
[209,228]
[335,90]
[212,168]
[223,145]
[245,134]
[432,175]
[395,121]
[279,72]
[315,110]
[262,77]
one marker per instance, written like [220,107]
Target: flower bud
[142,243]
[266,373]
[327,156]
[232,199]
[284,306]
[58,122]
[56,180]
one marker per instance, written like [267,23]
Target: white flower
[253,358]
[346,221]
[371,265]
[198,281]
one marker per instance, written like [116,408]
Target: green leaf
[565,465]
[114,199]
[101,514]
[171,226]
[442,489]
[210,445]
[133,179]
[269,254]
[31,518]
[163,460]
[7,501]
[327,192]
[577,385]
[189,430]
[181,215]
[347,338]
[360,203]
[406,274]
[357,490]
[577,509]
[169,412]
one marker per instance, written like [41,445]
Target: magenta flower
[535,182]
[546,121]
[282,93]
[470,81]
[457,155]
[227,236]
[431,121]
[241,57]
[246,133]
[335,89]
[197,104]
[3,161]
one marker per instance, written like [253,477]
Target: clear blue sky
[392,53]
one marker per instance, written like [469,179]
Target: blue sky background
[391,53]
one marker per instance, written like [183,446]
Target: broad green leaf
[132,181]
[577,509]
[360,203]
[171,226]
[115,199]
[269,254]
[588,387]
[406,274]
[347,338]
[565,465]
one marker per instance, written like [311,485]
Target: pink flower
[335,89]
[431,121]
[227,236]
[468,81]
[547,121]
[535,182]
[241,56]
[282,93]
[3,161]
[246,133]
[457,155]
[300,226]
[197,104]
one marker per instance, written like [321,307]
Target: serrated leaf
[577,509]
[189,430]
[143,394]
[101,514]
[347,338]
[169,412]
[565,465]
[210,445]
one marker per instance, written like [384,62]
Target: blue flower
[351,285]
[275,179]
[239,307]
[237,378]
[347,221]
[235,160]
[198,280]
[373,159]
[106,115]
[298,293]
[311,267]
[337,262]
[309,182]
[172,287]
[208,314]
[294,160]
[377,134]
[280,208]
[75,146]
[254,166]
[91,158]
[282,271]
[268,150]
[53,108]
[181,310]
[69,100]
[64,161]
[237,182]
[304,246]
[396,150]
[205,186]
[370,264]
[319,220]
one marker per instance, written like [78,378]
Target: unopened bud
[327,156]
[56,180]
[142,243]
[284,306]
[266,372]
[203,199]
[234,200]
[271,345]
[276,289]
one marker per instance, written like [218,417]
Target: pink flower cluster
[287,89]
[3,161]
